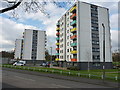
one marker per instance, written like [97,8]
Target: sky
[12,29]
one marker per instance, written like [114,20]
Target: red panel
[74,36]
[72,15]
[73,59]
[57,34]
[57,48]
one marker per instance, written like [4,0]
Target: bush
[73,68]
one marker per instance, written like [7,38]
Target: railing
[57,38]
[74,52]
[73,44]
[57,43]
[57,59]
[72,16]
[57,34]
[115,78]
[72,9]
[72,30]
[73,37]
[58,24]
[73,59]
[57,29]
[73,22]
[57,53]
[57,48]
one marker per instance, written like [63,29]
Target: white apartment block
[32,47]
[80,37]
[18,49]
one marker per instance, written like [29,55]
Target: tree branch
[12,7]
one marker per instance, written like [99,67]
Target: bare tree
[15,5]
[33,6]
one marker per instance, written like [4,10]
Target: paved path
[12,79]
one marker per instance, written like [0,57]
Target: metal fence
[116,78]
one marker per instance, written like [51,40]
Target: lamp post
[103,52]
[51,58]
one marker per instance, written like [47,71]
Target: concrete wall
[27,47]
[84,33]
[41,45]
[18,48]
[104,18]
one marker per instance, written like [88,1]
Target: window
[67,43]
[68,25]
[95,49]
[93,8]
[68,13]
[95,35]
[95,42]
[67,37]
[94,21]
[96,57]
[67,56]
[94,28]
[67,50]
[94,15]
[67,31]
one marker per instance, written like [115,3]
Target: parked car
[24,62]
[18,64]
[45,64]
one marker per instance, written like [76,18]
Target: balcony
[57,29]
[57,59]
[74,52]
[57,34]
[73,9]
[73,16]
[73,30]
[73,59]
[73,23]
[57,38]
[58,24]
[73,37]
[57,48]
[73,44]
[57,43]
[57,53]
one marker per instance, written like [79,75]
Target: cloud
[10,31]
[114,21]
[114,38]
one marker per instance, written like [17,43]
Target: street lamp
[103,51]
[51,58]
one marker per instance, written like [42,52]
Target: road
[13,79]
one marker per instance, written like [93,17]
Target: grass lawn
[111,74]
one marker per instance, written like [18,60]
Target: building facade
[32,47]
[18,49]
[79,40]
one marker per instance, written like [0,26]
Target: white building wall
[68,39]
[27,47]
[41,45]
[84,33]
[104,18]
[18,43]
[62,55]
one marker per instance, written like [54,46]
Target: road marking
[24,78]
[60,86]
